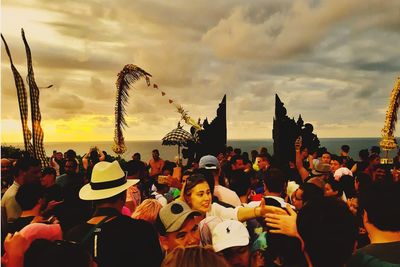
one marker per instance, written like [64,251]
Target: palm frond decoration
[127,77]
[388,141]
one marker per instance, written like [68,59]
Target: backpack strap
[93,229]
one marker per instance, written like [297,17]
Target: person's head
[46,253]
[253,154]
[230,239]
[263,150]
[70,154]
[29,196]
[134,169]
[305,193]
[48,177]
[237,151]
[27,170]
[197,193]
[156,154]
[326,157]
[5,167]
[237,163]
[177,225]
[211,164]
[275,181]
[108,185]
[194,256]
[374,160]
[333,189]
[363,154]
[336,163]
[328,230]
[147,210]
[59,156]
[70,167]
[304,152]
[263,161]
[321,171]
[136,156]
[375,150]
[380,201]
[345,149]
[161,188]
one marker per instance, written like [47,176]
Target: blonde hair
[194,256]
[148,210]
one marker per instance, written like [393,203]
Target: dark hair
[335,157]
[345,148]
[155,150]
[336,186]
[235,158]
[229,149]
[275,180]
[265,156]
[49,170]
[311,192]
[75,164]
[363,154]
[239,182]
[23,164]
[208,176]
[134,167]
[380,200]
[28,195]
[373,157]
[193,180]
[375,150]
[70,154]
[46,253]
[245,156]
[237,151]
[328,230]
[137,155]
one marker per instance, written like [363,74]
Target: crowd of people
[231,209]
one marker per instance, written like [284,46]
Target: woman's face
[200,197]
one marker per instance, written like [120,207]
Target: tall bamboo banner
[22,102]
[38,134]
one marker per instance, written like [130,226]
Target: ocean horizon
[145,147]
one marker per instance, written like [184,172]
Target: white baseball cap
[229,234]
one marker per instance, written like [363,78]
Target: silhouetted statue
[212,139]
[285,132]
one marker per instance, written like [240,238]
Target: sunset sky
[334,61]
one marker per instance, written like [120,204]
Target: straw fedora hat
[108,179]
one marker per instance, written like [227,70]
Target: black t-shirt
[53,192]
[122,241]
[388,252]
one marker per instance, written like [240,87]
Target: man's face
[47,180]
[297,198]
[188,235]
[59,156]
[5,167]
[69,168]
[238,165]
[32,175]
[326,158]
[334,165]
[262,163]
[156,155]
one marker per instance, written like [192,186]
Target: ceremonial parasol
[178,137]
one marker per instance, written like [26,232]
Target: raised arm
[299,163]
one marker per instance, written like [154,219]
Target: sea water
[169,152]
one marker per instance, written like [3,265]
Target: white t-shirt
[160,198]
[279,199]
[223,212]
[227,196]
